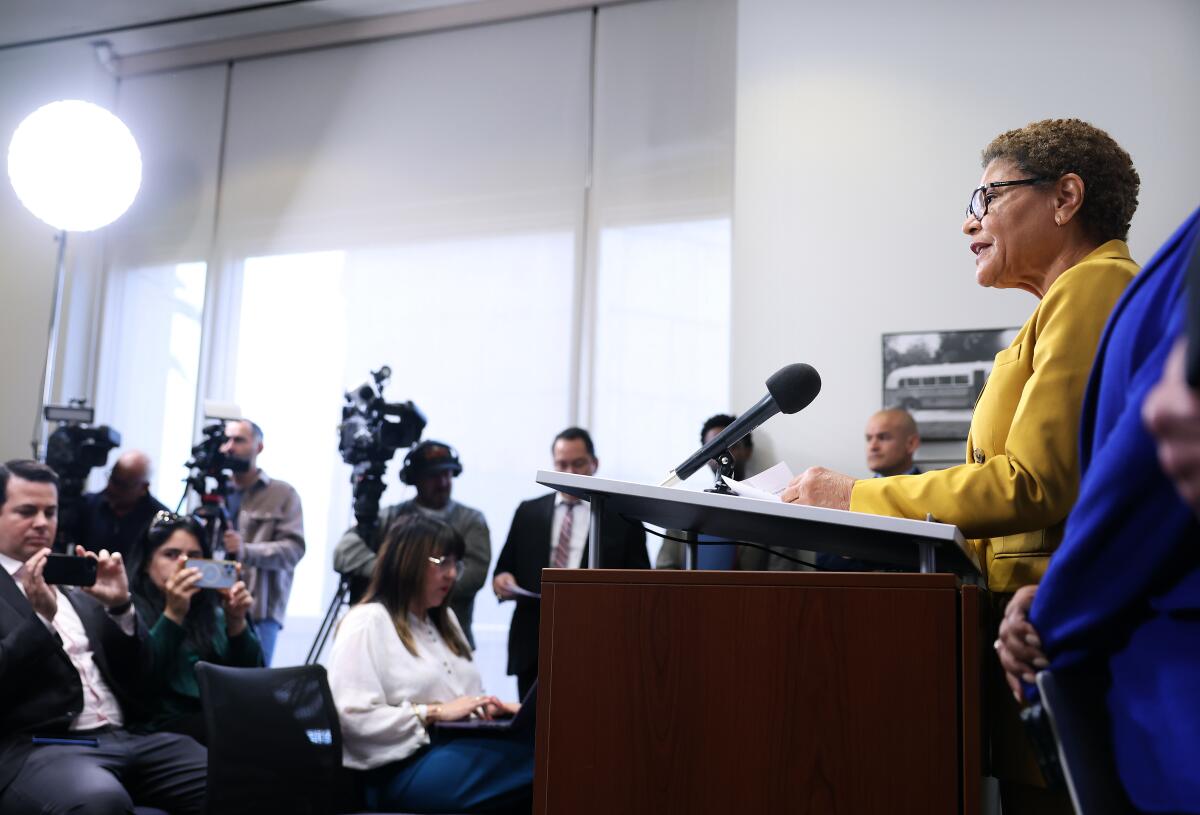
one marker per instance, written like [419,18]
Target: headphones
[418,460]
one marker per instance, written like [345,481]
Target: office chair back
[274,744]
[1079,719]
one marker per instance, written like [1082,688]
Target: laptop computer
[523,722]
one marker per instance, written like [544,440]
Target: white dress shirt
[379,687]
[580,522]
[100,706]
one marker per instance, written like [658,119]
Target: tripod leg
[341,596]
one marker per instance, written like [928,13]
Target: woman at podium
[1050,217]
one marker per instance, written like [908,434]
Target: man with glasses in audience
[552,531]
[431,467]
[69,661]
[113,518]
[266,532]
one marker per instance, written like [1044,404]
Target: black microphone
[789,390]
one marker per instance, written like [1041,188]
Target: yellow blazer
[1021,476]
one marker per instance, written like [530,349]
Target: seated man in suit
[68,659]
[552,531]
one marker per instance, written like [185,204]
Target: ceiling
[134,26]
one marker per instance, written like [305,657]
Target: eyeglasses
[978,205]
[445,563]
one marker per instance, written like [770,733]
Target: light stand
[77,167]
[39,422]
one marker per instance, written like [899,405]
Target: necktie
[563,549]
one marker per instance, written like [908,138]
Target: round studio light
[74,165]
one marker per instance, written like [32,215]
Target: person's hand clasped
[1019,647]
[180,589]
[464,707]
[236,600]
[503,584]
[112,584]
[820,487]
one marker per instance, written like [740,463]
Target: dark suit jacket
[40,690]
[527,552]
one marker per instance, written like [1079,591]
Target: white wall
[859,128]
[29,78]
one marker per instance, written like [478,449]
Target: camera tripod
[349,589]
[213,518]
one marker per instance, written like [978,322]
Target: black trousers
[525,680]
[162,770]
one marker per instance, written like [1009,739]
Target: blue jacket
[1121,596]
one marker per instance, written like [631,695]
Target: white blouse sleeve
[374,731]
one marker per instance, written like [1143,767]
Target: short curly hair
[1052,148]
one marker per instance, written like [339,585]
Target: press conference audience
[186,624]
[400,664]
[552,531]
[1050,217]
[431,467]
[68,673]
[1119,607]
[115,517]
[266,532]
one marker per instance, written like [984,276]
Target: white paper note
[766,486]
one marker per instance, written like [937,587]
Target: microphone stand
[724,468]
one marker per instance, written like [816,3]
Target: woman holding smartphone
[187,623]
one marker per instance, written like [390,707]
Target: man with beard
[266,532]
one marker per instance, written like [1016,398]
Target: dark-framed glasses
[978,205]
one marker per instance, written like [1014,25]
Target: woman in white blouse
[401,662]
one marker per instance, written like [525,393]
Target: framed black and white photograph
[937,376]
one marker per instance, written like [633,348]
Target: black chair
[274,743]
[1079,718]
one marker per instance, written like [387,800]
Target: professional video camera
[209,470]
[371,432]
[72,450]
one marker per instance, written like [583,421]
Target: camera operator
[115,517]
[430,467]
[266,531]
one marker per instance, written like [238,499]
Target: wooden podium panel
[755,692]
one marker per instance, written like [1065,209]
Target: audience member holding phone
[400,663]
[196,610]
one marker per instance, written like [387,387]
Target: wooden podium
[756,692]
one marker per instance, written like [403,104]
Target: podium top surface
[877,538]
